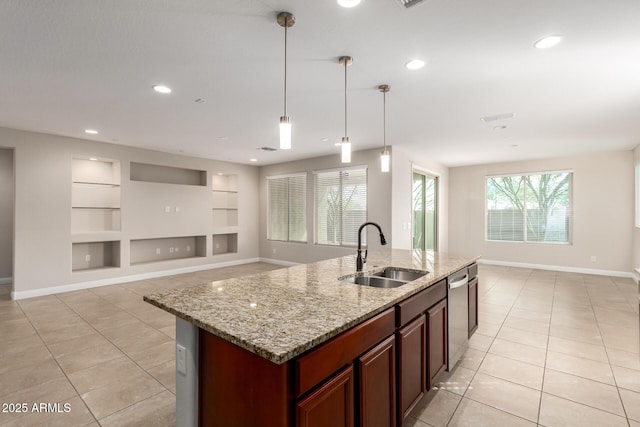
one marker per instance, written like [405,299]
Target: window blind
[288,208]
[529,208]
[340,205]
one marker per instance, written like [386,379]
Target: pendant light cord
[286,26]
[384,119]
[345,98]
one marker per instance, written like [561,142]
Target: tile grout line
[57,363]
[115,345]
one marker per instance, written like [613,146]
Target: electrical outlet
[170,250]
[177,249]
[167,209]
[177,208]
[594,258]
[87,257]
[217,245]
[188,248]
[157,251]
[181,359]
[273,250]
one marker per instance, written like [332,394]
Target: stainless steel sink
[374,281]
[402,275]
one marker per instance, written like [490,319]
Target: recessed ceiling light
[501,127]
[414,64]
[348,3]
[91,131]
[548,41]
[253,160]
[220,174]
[324,139]
[162,89]
[93,158]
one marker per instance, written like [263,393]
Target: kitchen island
[255,350]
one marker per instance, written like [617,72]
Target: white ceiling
[69,65]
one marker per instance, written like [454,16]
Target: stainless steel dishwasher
[458,315]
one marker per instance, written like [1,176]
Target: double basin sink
[390,277]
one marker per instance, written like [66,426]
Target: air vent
[497,117]
[408,3]
[267,149]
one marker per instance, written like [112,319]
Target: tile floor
[552,349]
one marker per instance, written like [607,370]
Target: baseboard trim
[6,280]
[594,271]
[279,262]
[123,279]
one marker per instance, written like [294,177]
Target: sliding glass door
[425,211]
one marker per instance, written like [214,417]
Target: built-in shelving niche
[144,251]
[95,255]
[224,191]
[225,243]
[167,174]
[95,195]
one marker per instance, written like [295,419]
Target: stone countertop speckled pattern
[282,313]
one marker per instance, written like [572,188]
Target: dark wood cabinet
[411,341]
[330,405]
[473,306]
[377,385]
[437,341]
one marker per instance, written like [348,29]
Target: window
[341,205]
[424,191]
[529,208]
[288,208]
[638,195]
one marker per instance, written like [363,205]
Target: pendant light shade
[346,143]
[345,149]
[286,20]
[385,158]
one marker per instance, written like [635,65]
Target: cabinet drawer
[473,270]
[319,364]
[420,302]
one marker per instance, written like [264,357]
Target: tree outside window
[529,208]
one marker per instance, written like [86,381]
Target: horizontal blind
[288,208]
[340,205]
[529,208]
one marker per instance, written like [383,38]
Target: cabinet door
[377,369]
[473,306]
[411,365]
[437,342]
[330,405]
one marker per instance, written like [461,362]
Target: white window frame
[315,203]
[525,174]
[284,176]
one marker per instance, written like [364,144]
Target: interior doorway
[424,209]
[6,222]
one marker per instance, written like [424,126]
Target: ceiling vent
[267,149]
[497,117]
[408,3]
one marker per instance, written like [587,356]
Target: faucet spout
[360,260]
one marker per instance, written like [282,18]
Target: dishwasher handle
[460,282]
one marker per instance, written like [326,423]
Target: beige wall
[379,209]
[6,214]
[43,204]
[602,206]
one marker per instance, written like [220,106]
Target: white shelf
[145,251]
[95,255]
[95,196]
[225,243]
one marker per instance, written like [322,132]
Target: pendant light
[346,144]
[286,20]
[384,156]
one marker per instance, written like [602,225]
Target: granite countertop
[282,313]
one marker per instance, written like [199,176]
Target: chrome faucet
[360,260]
